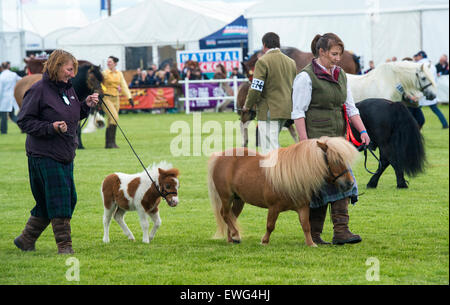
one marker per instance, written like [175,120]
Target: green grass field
[405,231]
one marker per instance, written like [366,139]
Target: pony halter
[331,172]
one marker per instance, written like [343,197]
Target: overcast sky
[90,7]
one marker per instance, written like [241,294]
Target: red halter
[349,135]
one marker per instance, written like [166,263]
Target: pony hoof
[402,186]
[236,241]
[371,186]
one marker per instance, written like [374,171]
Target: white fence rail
[188,98]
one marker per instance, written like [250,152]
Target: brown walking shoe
[340,218]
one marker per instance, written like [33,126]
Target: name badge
[66,100]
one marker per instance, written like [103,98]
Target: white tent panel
[151,22]
[299,31]
[99,54]
[50,40]
[10,49]
[373,29]
[33,41]
[435,26]
[395,34]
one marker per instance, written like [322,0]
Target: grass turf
[405,230]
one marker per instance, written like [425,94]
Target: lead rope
[131,146]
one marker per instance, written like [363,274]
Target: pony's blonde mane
[300,169]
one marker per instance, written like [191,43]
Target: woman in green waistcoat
[319,94]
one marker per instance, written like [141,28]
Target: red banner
[149,98]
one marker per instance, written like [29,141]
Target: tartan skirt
[330,193]
[53,188]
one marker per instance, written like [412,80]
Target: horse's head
[94,79]
[168,185]
[338,155]
[249,65]
[425,81]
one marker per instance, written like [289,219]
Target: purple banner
[205,90]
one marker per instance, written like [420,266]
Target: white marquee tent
[153,23]
[375,29]
[29,27]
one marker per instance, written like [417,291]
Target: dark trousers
[440,115]
[418,115]
[4,122]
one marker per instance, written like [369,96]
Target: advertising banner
[149,98]
[205,90]
[208,59]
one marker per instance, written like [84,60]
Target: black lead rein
[142,164]
[364,148]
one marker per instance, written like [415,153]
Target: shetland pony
[416,80]
[285,179]
[395,132]
[122,192]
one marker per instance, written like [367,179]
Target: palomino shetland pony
[123,192]
[416,79]
[296,173]
[394,131]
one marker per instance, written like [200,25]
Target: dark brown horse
[349,62]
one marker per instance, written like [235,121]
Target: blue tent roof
[233,35]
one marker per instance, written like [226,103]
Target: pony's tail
[216,202]
[407,142]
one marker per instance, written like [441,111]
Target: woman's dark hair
[114,59]
[325,42]
[271,40]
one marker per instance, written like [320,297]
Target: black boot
[339,215]
[61,230]
[33,229]
[111,137]
[316,219]
[80,143]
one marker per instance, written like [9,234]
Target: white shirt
[301,96]
[8,80]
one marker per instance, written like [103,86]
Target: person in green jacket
[320,92]
[271,92]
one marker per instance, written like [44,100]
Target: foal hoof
[236,241]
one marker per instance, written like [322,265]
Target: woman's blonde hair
[57,59]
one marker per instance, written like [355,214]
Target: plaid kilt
[53,188]
[329,193]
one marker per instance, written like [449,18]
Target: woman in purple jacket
[49,115]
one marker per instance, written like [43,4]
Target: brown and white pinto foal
[122,192]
